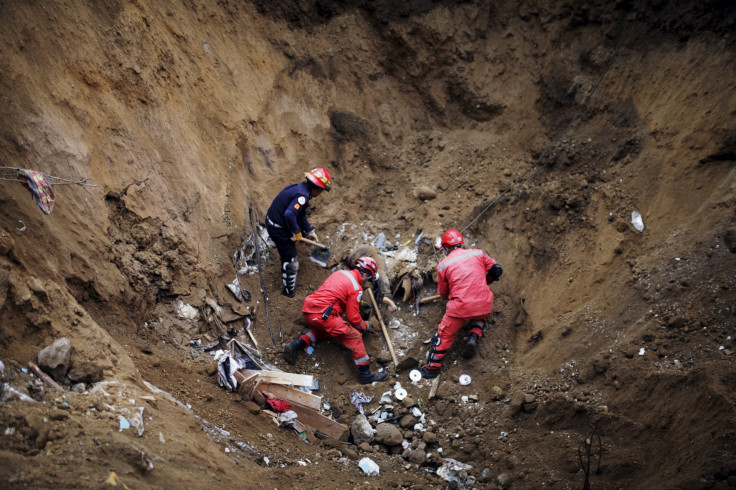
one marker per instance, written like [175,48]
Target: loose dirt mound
[536,130]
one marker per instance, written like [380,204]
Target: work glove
[297,236]
[368,328]
[365,310]
[494,274]
[313,235]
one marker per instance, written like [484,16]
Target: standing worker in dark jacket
[286,221]
[463,277]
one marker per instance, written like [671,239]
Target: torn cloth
[40,188]
[278,406]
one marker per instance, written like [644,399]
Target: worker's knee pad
[478,324]
[291,267]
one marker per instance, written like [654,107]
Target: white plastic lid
[464,379]
[415,375]
[400,394]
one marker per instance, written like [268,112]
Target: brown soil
[536,130]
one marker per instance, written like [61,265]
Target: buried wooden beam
[321,424]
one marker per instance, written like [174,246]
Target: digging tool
[319,255]
[383,326]
[425,300]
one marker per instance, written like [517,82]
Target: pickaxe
[425,300]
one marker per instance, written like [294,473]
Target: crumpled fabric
[226,367]
[358,398]
[40,188]
[278,406]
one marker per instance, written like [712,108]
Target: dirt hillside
[538,129]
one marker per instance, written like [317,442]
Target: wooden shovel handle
[312,242]
[429,298]
[383,327]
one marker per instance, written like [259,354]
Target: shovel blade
[320,256]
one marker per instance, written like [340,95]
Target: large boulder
[362,430]
[54,359]
[388,435]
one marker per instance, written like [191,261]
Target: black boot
[428,373]
[367,377]
[292,350]
[471,346]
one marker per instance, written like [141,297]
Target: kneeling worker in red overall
[463,277]
[341,293]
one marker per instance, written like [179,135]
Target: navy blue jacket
[289,209]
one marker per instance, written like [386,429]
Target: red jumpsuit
[343,290]
[461,277]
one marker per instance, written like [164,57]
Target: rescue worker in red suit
[341,293]
[462,277]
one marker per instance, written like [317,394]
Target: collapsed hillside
[536,130]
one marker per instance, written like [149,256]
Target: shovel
[319,255]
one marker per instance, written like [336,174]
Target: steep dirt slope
[536,130]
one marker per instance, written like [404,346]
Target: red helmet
[367,265]
[319,177]
[451,239]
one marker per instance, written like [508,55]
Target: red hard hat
[451,238]
[319,177]
[368,265]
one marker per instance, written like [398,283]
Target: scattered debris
[636,221]
[455,472]
[358,398]
[369,467]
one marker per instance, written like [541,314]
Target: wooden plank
[321,424]
[435,385]
[292,395]
[279,377]
[246,384]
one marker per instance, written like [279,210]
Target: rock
[516,403]
[350,453]
[676,322]
[54,359]
[430,438]
[333,454]
[361,430]
[365,447]
[424,193]
[408,402]
[388,434]
[416,457]
[407,421]
[504,481]
[497,393]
